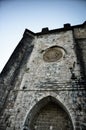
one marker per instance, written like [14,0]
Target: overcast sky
[16,15]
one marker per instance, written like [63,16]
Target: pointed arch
[51,107]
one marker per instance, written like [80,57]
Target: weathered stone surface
[30,87]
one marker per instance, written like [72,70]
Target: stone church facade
[43,85]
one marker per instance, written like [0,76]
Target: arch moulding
[40,104]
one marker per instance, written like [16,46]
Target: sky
[17,15]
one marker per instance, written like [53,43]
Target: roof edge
[45,30]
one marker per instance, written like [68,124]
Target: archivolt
[45,109]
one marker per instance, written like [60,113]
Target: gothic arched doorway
[50,116]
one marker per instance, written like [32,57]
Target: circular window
[52,54]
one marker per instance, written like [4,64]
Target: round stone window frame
[53,54]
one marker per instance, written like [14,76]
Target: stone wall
[11,77]
[52,73]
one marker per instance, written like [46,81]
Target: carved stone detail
[52,54]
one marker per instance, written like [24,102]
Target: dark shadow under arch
[48,114]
